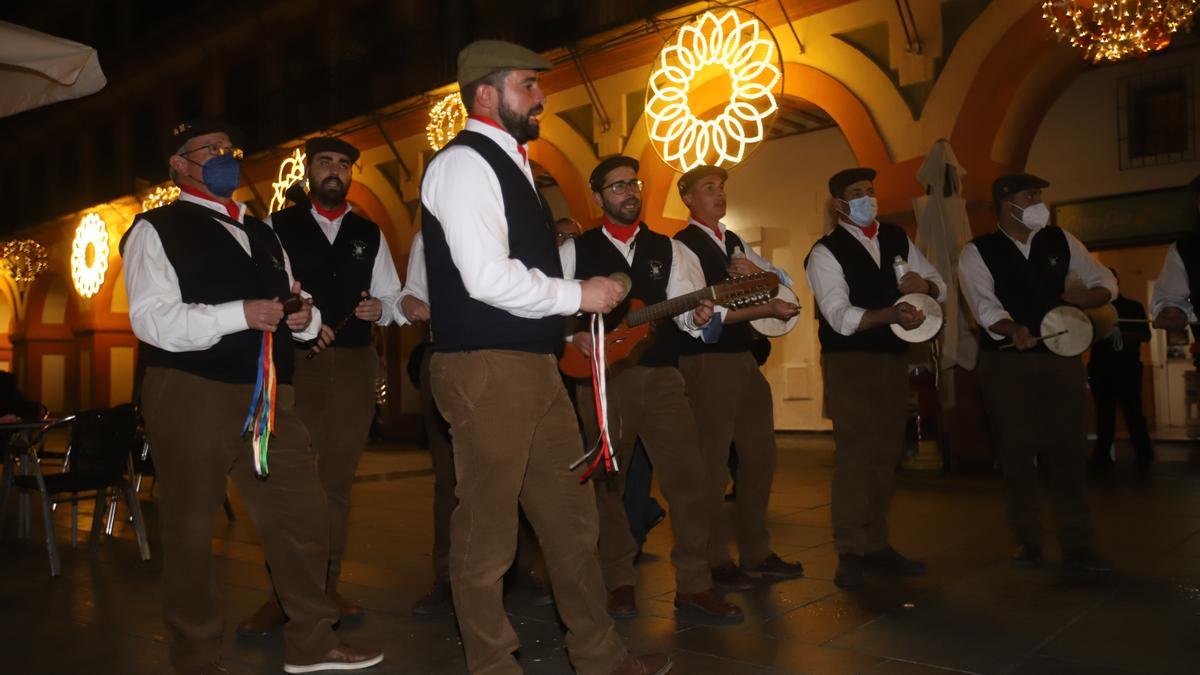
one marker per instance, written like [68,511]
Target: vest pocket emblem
[656,269]
[358,249]
[1052,260]
[277,264]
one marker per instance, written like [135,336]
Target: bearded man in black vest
[497,304]
[206,280]
[730,398]
[647,399]
[345,263]
[1036,400]
[865,367]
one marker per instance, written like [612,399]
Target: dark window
[107,180]
[1157,117]
[146,138]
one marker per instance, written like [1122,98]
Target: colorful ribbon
[260,422]
[603,448]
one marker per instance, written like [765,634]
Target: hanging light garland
[161,196]
[736,46]
[89,255]
[291,171]
[1110,30]
[446,119]
[24,260]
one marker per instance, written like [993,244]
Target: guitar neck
[666,308]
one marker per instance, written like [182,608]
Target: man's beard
[618,212]
[520,125]
[331,191]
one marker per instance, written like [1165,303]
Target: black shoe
[728,577]
[775,568]
[889,561]
[1085,560]
[849,573]
[437,602]
[1100,465]
[1028,555]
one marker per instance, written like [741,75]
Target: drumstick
[1038,339]
[336,329]
[1151,321]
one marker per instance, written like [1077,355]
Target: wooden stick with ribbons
[260,421]
[603,448]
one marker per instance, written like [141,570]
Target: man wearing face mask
[647,400]
[345,263]
[206,280]
[497,304]
[730,398]
[865,365]
[1035,400]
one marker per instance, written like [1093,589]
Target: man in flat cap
[566,229]
[1035,399]
[851,273]
[730,398]
[343,260]
[646,397]
[497,302]
[1171,304]
[206,280]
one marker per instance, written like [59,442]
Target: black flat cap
[843,179]
[688,180]
[329,144]
[1010,184]
[596,181]
[185,131]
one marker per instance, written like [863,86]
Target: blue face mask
[222,175]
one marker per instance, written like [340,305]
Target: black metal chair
[97,465]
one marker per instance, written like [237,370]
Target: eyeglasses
[216,150]
[563,236]
[622,186]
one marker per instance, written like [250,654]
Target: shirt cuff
[570,296]
[851,320]
[712,330]
[231,317]
[993,320]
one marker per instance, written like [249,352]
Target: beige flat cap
[484,57]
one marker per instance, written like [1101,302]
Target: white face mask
[863,210]
[1035,217]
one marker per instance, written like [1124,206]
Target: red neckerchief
[869,230]
[231,207]
[622,233]
[716,230]
[331,215]
[493,123]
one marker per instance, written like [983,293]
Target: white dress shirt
[157,311]
[416,283]
[686,274]
[462,192]
[385,283]
[758,260]
[979,287]
[831,291]
[1171,289]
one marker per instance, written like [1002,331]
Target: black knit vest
[872,286]
[212,269]
[714,260]
[335,274]
[461,323]
[595,255]
[1027,288]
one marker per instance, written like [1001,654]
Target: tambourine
[772,327]
[1067,331]
[929,327]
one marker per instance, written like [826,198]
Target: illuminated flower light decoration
[161,196]
[89,255]
[748,55]
[24,260]
[291,171]
[446,119]
[1110,30]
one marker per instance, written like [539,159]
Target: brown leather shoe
[345,607]
[622,602]
[650,664]
[709,605]
[268,619]
[728,577]
[341,657]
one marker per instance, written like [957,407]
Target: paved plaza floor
[974,613]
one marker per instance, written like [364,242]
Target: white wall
[1076,145]
[775,202]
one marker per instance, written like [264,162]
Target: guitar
[629,338]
